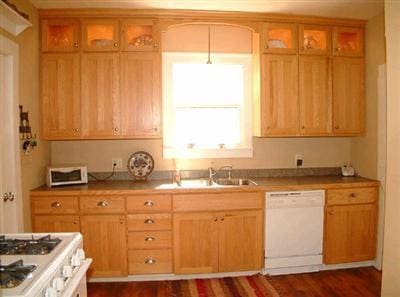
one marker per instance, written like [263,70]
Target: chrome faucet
[212,172]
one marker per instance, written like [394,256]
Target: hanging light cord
[209,45]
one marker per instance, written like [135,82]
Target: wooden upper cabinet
[141,95]
[100,95]
[315,83]
[140,36]
[315,40]
[348,41]
[348,96]
[279,95]
[60,96]
[59,35]
[279,38]
[100,35]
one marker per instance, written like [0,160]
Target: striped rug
[243,286]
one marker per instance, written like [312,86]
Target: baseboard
[347,265]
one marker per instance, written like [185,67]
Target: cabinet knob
[155,129]
[222,219]
[56,204]
[302,48]
[352,195]
[76,222]
[336,127]
[338,49]
[150,261]
[266,46]
[149,221]
[76,129]
[149,238]
[215,219]
[76,45]
[116,129]
[102,203]
[121,221]
[149,203]
[155,45]
[115,44]
[303,127]
[330,212]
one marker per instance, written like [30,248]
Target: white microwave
[66,175]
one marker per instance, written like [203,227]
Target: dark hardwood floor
[358,282]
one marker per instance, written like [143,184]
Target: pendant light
[209,45]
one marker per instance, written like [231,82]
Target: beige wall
[391,252]
[364,149]
[268,153]
[33,164]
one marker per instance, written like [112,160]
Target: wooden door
[100,96]
[60,85]
[315,95]
[348,41]
[279,95]
[279,38]
[315,40]
[60,35]
[241,241]
[348,96]
[100,35]
[56,223]
[140,35]
[195,243]
[350,233]
[104,239]
[140,95]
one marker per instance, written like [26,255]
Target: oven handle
[75,281]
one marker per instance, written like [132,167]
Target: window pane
[203,84]
[207,127]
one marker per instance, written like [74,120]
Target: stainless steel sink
[220,182]
[196,183]
[234,182]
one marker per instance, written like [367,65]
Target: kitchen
[86,99]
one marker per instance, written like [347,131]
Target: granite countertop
[166,186]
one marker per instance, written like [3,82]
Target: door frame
[10,50]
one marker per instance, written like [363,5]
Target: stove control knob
[67,271]
[81,254]
[50,292]
[58,284]
[75,260]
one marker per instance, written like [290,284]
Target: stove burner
[40,246]
[14,274]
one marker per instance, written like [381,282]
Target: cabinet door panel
[348,96]
[240,245]
[60,35]
[140,95]
[315,96]
[100,35]
[314,40]
[350,233]
[195,243]
[100,95]
[104,239]
[279,95]
[60,96]
[279,38]
[348,41]
[59,223]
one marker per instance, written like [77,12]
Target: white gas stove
[43,265]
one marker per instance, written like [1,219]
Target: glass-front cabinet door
[60,35]
[348,41]
[100,35]
[279,38]
[314,40]
[139,36]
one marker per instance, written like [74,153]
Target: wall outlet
[298,160]
[117,162]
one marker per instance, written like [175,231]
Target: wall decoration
[25,131]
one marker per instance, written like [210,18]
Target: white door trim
[10,50]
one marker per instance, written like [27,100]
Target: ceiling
[360,9]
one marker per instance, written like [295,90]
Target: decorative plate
[140,165]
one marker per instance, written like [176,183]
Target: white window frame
[244,149]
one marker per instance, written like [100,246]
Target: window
[207,107]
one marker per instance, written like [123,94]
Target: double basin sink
[219,182]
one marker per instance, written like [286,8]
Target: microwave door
[66,176]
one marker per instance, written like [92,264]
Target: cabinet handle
[102,203]
[215,219]
[155,45]
[266,46]
[56,204]
[336,127]
[121,221]
[303,127]
[352,195]
[116,129]
[115,44]
[222,219]
[330,212]
[76,45]
[338,49]
[149,238]
[149,221]
[76,129]
[150,261]
[76,222]
[149,203]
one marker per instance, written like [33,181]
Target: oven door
[76,286]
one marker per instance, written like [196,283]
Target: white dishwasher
[293,231]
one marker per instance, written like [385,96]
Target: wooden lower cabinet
[56,223]
[105,242]
[209,242]
[350,233]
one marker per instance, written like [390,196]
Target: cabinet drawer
[53,205]
[149,203]
[149,222]
[352,196]
[102,204]
[150,261]
[214,202]
[150,240]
